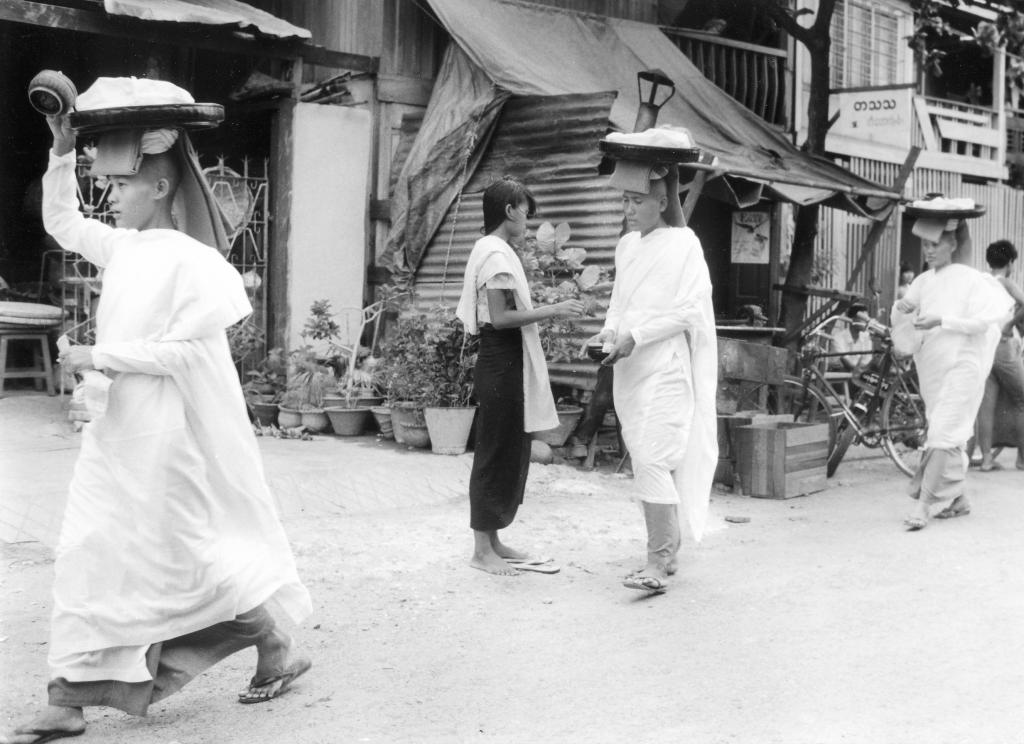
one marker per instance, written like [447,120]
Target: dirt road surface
[820,620]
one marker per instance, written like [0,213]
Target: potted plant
[448,411]
[308,380]
[406,356]
[556,273]
[266,385]
[348,404]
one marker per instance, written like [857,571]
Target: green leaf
[562,233]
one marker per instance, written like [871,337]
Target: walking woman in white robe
[952,313]
[661,330]
[170,551]
[510,380]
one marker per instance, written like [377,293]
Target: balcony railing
[753,75]
[1015,137]
[957,128]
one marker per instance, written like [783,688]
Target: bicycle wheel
[904,427]
[845,434]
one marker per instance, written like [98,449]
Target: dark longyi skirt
[501,458]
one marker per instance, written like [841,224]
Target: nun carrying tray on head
[949,319]
[171,554]
[660,329]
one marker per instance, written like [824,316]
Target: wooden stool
[42,367]
[592,446]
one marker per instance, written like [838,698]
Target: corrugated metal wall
[551,144]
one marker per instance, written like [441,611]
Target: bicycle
[887,410]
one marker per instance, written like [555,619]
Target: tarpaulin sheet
[463,109]
[209,12]
[526,49]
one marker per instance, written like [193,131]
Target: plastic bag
[906,340]
[91,393]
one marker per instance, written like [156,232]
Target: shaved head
[164,165]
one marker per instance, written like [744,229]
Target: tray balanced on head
[944,214]
[648,154]
[183,115]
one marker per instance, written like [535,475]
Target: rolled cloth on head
[633,175]
[119,153]
[931,228]
[156,141]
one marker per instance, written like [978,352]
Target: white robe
[665,390]
[953,359]
[492,256]
[169,526]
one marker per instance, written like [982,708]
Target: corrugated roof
[527,49]
[208,12]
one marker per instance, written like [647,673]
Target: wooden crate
[728,423]
[745,372]
[780,460]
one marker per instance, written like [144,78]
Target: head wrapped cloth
[119,152]
[636,176]
[932,228]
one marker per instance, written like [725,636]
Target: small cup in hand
[597,352]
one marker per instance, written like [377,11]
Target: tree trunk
[801,260]
[801,264]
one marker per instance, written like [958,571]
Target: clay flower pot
[382,415]
[288,418]
[348,422]
[315,420]
[449,428]
[409,424]
[265,413]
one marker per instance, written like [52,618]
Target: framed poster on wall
[751,237]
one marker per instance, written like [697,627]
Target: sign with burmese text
[878,114]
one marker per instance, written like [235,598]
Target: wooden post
[875,234]
[693,194]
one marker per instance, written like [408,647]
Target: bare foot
[54,722]
[918,518]
[492,563]
[504,551]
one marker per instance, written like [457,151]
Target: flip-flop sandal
[646,584]
[951,512]
[990,468]
[544,568]
[47,734]
[528,561]
[913,524]
[296,670]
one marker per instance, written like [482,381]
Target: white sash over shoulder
[491,256]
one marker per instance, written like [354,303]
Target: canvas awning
[508,48]
[208,12]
